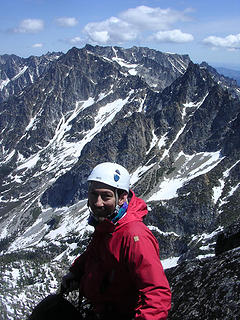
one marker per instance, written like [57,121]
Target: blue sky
[206,30]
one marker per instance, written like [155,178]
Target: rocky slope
[16,73]
[209,288]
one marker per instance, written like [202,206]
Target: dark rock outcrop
[209,288]
[228,239]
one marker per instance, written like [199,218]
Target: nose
[99,201]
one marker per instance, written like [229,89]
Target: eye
[106,197]
[93,194]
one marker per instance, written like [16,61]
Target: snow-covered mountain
[172,123]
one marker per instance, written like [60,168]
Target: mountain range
[172,123]
[234,74]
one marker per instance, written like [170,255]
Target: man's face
[102,200]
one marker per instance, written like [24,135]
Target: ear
[122,198]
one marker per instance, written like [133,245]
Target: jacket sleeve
[78,266]
[149,276]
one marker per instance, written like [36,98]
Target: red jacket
[121,267]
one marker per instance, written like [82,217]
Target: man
[120,272]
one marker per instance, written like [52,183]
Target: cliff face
[173,124]
[209,288]
[17,73]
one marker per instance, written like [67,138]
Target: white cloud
[172,36]
[67,21]
[112,29]
[37,45]
[136,23]
[100,36]
[230,42]
[76,40]
[147,18]
[30,26]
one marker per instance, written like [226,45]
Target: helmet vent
[117,175]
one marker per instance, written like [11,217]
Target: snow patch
[176,67]
[11,154]
[170,262]
[162,141]
[192,104]
[166,151]
[136,175]
[168,190]
[21,72]
[133,72]
[30,163]
[217,190]
[204,256]
[4,83]
[153,142]
[165,234]
[206,236]
[233,189]
[123,63]
[132,67]
[188,170]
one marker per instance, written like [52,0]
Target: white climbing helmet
[112,174]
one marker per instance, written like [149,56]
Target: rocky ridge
[209,288]
[16,73]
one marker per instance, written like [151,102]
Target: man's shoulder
[131,227]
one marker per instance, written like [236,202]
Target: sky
[206,30]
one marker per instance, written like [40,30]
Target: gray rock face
[209,289]
[158,69]
[17,73]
